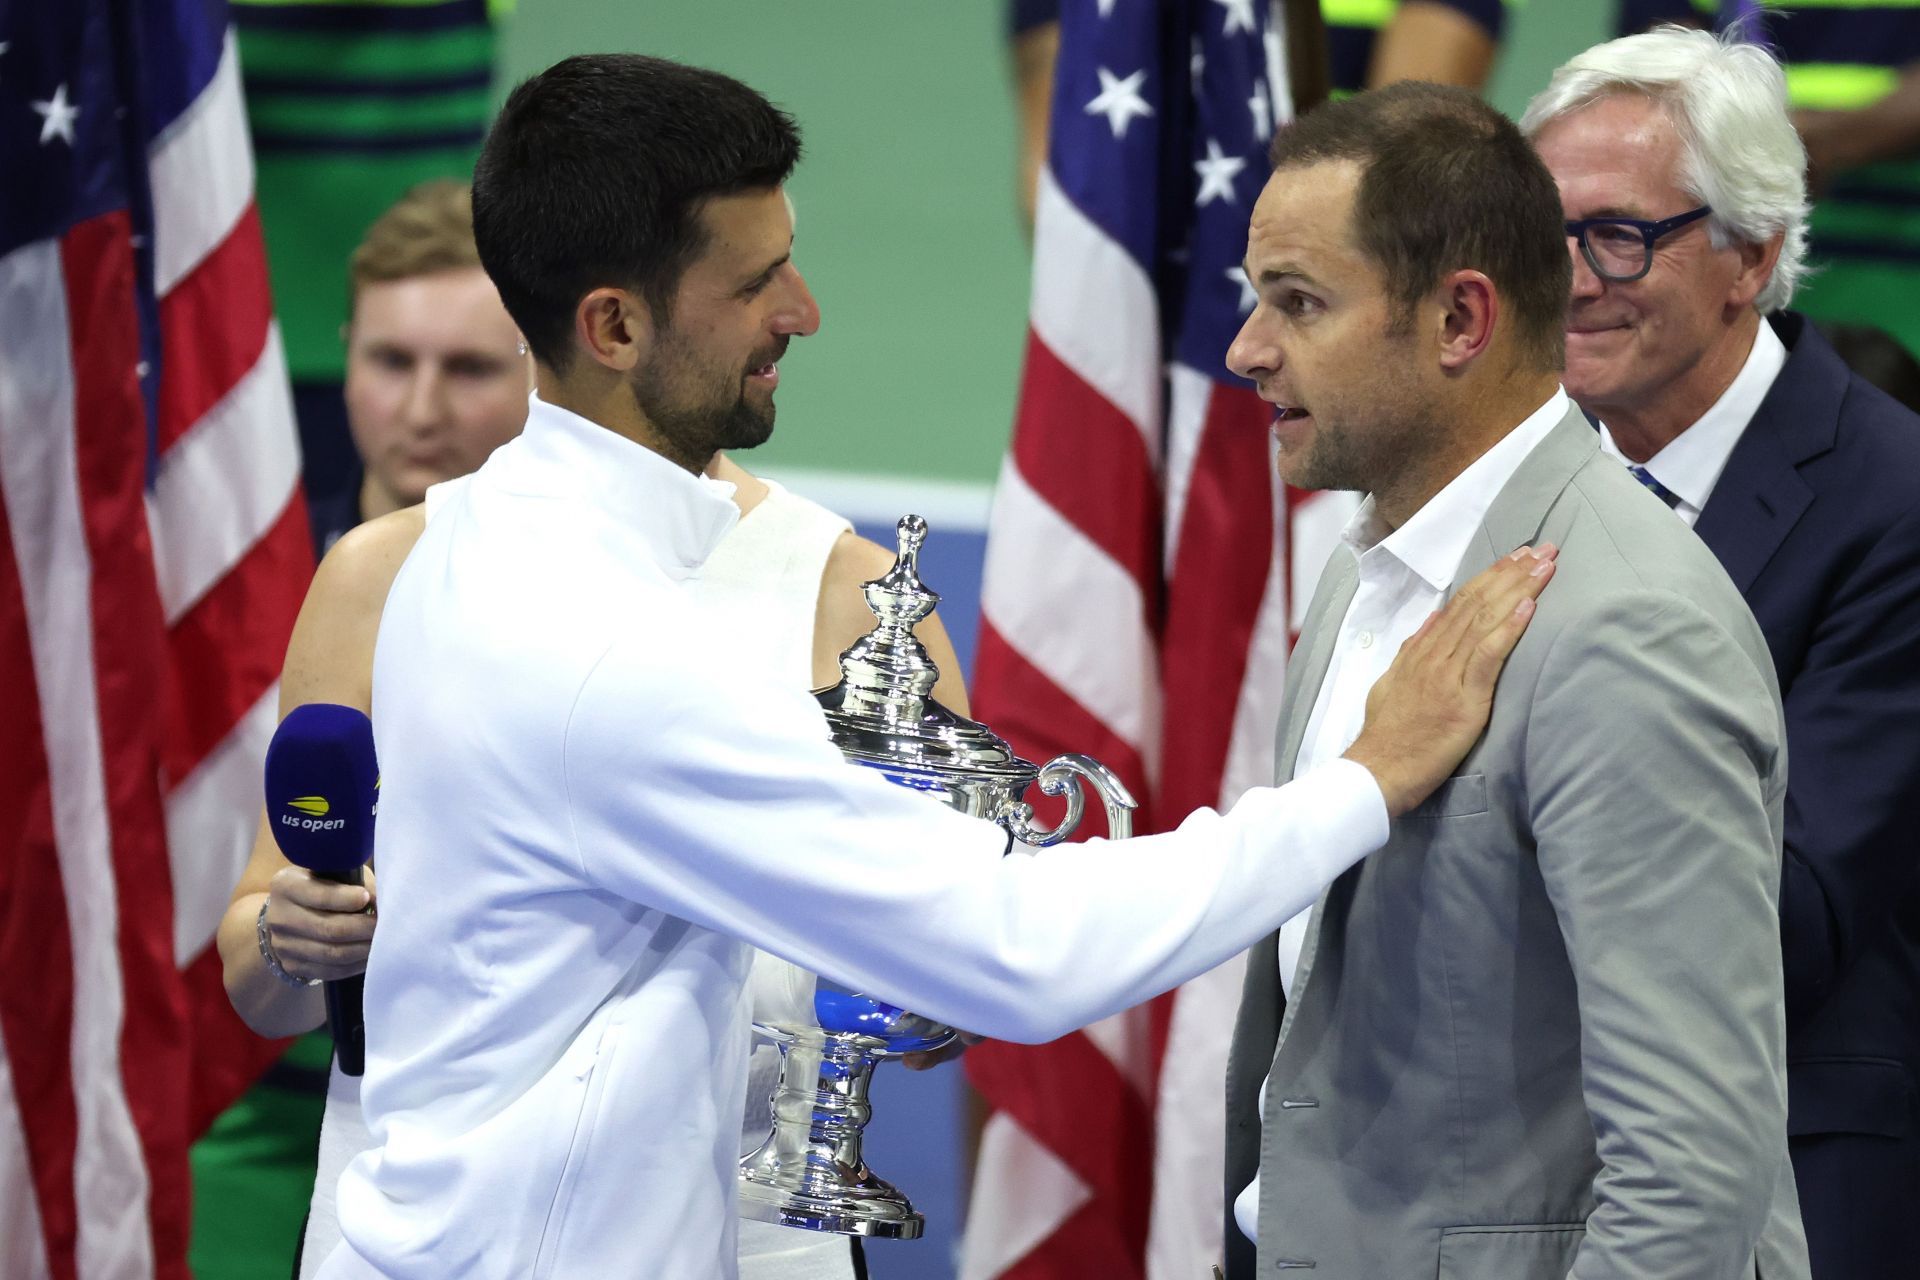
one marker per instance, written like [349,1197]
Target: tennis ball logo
[316,808]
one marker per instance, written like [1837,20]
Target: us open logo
[316,809]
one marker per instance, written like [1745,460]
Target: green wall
[1541,34]
[907,231]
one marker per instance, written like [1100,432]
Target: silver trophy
[810,1171]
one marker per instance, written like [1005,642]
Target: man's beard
[694,430]
[1341,459]
[700,431]
[1393,420]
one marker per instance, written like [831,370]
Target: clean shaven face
[1629,344]
[435,379]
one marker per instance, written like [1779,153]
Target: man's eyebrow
[1273,275]
[773,266]
[1615,211]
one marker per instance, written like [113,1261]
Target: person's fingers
[1451,629]
[300,887]
[330,927]
[1497,607]
[309,957]
[1422,634]
[1454,632]
[945,1053]
[1490,653]
[1491,596]
[327,969]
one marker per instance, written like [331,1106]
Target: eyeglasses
[1621,249]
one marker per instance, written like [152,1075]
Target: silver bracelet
[273,961]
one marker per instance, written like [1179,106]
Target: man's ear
[1471,312]
[614,326]
[1756,268]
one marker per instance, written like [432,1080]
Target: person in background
[1356,44]
[1853,85]
[1681,179]
[349,105]
[1371,43]
[436,375]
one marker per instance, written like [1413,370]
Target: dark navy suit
[1817,520]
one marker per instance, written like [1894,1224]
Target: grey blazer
[1540,1032]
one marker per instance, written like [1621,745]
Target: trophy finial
[887,672]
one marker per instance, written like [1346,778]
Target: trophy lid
[882,712]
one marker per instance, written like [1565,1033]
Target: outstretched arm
[769,836]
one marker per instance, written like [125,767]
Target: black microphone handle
[345,1015]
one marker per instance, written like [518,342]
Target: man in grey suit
[1540,1033]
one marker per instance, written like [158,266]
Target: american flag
[1144,571]
[153,553]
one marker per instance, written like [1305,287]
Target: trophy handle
[1058,778]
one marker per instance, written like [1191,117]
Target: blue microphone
[323,791]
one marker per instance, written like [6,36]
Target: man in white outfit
[427,331]
[597,797]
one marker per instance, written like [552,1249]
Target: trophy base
[810,1172]
[868,1207]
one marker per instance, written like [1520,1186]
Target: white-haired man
[1684,190]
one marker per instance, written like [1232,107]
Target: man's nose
[1253,352]
[800,318]
[425,401]
[1586,282]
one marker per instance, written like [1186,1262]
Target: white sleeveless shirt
[764,581]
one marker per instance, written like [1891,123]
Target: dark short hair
[1447,183]
[594,175]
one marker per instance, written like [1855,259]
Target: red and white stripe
[1138,605]
[142,634]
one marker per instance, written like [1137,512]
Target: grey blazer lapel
[1256,1028]
[1254,1048]
[1312,655]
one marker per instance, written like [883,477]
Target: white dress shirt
[1691,464]
[592,804]
[1404,575]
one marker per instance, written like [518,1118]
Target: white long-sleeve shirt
[591,804]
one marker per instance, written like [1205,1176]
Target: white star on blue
[1120,100]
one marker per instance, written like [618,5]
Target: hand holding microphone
[322,784]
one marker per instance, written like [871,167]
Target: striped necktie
[1659,490]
